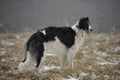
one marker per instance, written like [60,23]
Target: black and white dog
[64,42]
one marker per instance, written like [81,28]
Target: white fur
[43,31]
[27,65]
[90,27]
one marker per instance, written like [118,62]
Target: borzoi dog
[64,42]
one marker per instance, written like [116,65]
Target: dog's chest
[79,39]
[54,47]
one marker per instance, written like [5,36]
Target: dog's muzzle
[88,31]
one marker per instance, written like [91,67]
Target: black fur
[65,34]
[84,24]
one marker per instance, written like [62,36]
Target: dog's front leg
[71,59]
[62,60]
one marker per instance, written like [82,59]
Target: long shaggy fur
[63,42]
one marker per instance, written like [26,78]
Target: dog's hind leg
[27,64]
[39,56]
[38,60]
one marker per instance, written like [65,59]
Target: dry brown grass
[97,48]
[7,36]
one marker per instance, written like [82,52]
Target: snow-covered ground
[97,59]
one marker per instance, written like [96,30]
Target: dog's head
[84,24]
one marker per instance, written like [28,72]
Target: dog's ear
[86,18]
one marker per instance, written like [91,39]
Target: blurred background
[97,59]
[31,15]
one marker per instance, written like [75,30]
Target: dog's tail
[26,48]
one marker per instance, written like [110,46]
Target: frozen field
[97,59]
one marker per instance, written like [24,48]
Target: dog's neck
[77,30]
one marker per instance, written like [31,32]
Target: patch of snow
[14,58]
[107,63]
[83,74]
[114,49]
[102,54]
[117,49]
[86,47]
[83,52]
[95,51]
[97,43]
[90,67]
[17,37]
[7,43]
[71,78]
[46,68]
[3,60]
[2,53]
[100,59]
[94,77]
[106,77]
[48,54]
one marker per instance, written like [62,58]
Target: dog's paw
[21,67]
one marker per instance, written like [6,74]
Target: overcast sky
[17,15]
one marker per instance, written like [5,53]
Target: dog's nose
[91,29]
